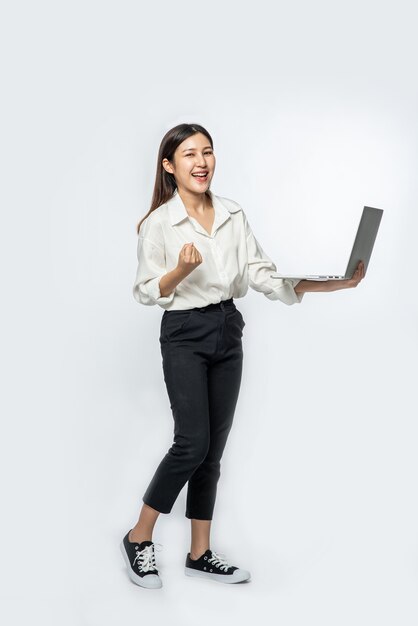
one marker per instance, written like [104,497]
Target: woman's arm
[331,285]
[189,259]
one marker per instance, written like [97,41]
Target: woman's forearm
[169,281]
[320,285]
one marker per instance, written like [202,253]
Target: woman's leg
[184,353]
[224,381]
[200,537]
[186,380]
[223,385]
[143,529]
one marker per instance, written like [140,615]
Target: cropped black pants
[202,364]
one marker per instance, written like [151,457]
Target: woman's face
[194,155]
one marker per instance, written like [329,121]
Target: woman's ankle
[137,535]
[196,554]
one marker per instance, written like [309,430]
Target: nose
[201,160]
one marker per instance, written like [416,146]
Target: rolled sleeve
[151,267]
[263,276]
[285,290]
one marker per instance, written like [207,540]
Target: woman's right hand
[189,259]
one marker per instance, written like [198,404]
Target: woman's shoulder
[155,217]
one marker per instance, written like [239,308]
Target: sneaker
[212,565]
[140,561]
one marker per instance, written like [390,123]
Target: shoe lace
[219,559]
[146,558]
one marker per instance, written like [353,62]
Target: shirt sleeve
[262,273]
[151,265]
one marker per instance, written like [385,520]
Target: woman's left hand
[356,277]
[333,285]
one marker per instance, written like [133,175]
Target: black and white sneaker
[140,561]
[212,565]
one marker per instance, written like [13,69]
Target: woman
[196,252]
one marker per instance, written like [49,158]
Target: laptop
[362,247]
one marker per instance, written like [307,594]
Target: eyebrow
[193,148]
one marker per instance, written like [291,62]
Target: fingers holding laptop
[357,276]
[334,285]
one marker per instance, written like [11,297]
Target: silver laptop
[362,247]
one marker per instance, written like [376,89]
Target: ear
[167,166]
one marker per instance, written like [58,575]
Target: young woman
[196,253]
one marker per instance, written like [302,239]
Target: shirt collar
[177,210]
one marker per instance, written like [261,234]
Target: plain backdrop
[312,109]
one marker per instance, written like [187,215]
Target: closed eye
[191,154]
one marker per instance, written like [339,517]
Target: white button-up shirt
[233,260]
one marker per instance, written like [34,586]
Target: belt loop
[222,306]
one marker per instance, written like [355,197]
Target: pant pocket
[174,323]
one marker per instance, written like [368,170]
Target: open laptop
[362,247]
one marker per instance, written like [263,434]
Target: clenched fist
[189,258]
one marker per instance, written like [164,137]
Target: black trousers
[202,364]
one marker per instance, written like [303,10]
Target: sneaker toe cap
[241,574]
[152,581]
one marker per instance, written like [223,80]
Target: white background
[312,109]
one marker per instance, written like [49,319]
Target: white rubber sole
[151,581]
[238,576]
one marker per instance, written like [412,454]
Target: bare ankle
[197,554]
[138,536]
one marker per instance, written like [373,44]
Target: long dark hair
[165,183]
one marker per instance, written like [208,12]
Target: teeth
[201,175]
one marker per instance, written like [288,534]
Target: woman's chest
[205,221]
[227,247]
